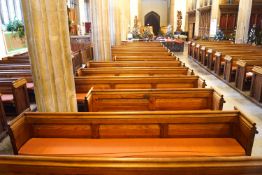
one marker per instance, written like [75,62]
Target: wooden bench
[231,65]
[17,165]
[244,73]
[84,84]
[14,96]
[137,53]
[144,58]
[140,49]
[15,66]
[154,100]
[135,64]
[141,44]
[143,71]
[134,134]
[256,85]
[3,122]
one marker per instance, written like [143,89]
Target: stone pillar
[101,30]
[121,13]
[47,35]
[197,18]
[244,13]
[2,43]
[172,14]
[215,17]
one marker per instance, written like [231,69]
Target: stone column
[197,18]
[47,35]
[215,17]
[121,12]
[100,29]
[244,13]
[2,43]
[172,14]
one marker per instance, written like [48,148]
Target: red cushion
[7,97]
[30,85]
[174,147]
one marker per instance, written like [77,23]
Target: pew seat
[148,148]
[7,98]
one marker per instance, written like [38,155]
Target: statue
[179,21]
[136,29]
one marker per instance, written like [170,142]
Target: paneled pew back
[134,64]
[211,133]
[144,58]
[15,66]
[154,100]
[14,96]
[84,84]
[17,165]
[142,71]
[137,53]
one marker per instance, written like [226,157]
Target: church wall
[158,6]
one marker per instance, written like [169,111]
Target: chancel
[112,87]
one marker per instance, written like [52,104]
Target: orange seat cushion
[174,147]
[7,97]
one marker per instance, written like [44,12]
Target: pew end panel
[20,131]
[256,85]
[228,68]
[21,95]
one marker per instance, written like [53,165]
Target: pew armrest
[201,83]
[20,132]
[218,101]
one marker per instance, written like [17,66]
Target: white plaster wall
[158,6]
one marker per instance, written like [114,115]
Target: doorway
[153,19]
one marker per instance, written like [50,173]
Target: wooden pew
[134,64]
[256,84]
[244,68]
[14,96]
[119,71]
[84,84]
[3,122]
[144,58]
[140,49]
[137,53]
[141,44]
[154,100]
[134,134]
[17,165]
[231,65]
[15,66]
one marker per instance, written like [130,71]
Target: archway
[153,19]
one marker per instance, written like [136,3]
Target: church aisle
[232,98]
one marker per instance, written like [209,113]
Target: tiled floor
[232,97]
